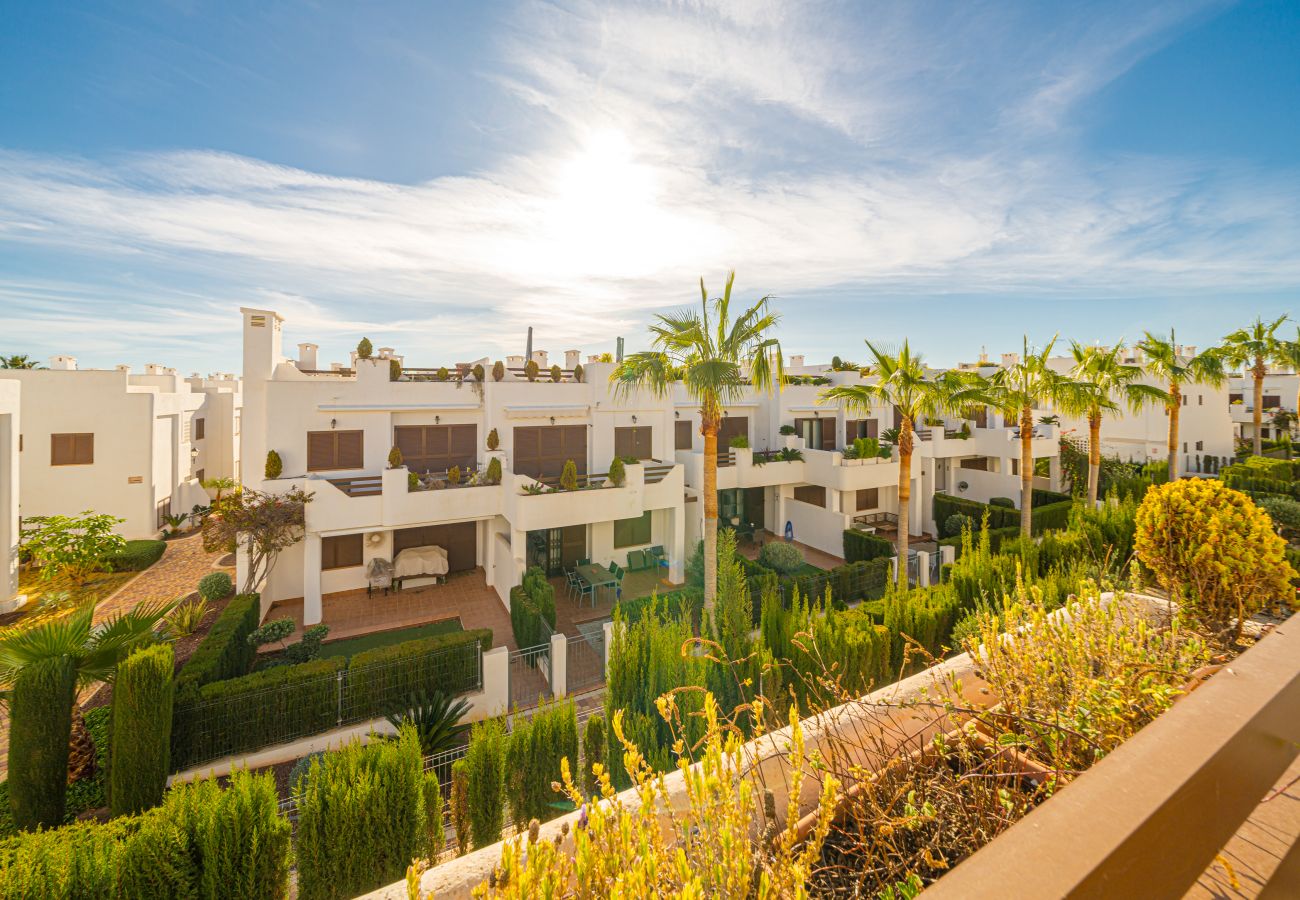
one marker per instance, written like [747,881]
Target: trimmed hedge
[215,586]
[484,766]
[859,546]
[946,505]
[530,604]
[380,680]
[534,749]
[239,715]
[141,730]
[672,604]
[40,715]
[225,652]
[136,556]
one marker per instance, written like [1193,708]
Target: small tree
[617,473]
[498,370]
[276,631]
[577,373]
[453,475]
[266,523]
[485,773]
[593,746]
[142,730]
[433,807]
[493,440]
[459,802]
[479,373]
[569,476]
[1213,550]
[365,349]
[442,373]
[394,370]
[531,369]
[220,485]
[556,373]
[394,458]
[274,465]
[494,470]
[71,545]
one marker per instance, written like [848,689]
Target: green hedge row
[531,603]
[1260,485]
[996,537]
[239,715]
[672,604]
[946,505]
[225,652]
[141,730]
[859,546]
[136,556]
[281,703]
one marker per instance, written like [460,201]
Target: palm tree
[1102,384]
[41,669]
[1288,354]
[20,361]
[1166,365]
[901,381]
[717,359]
[1255,347]
[1015,391]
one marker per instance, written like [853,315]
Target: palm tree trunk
[904,497]
[81,748]
[1258,414]
[1026,470]
[710,431]
[1094,456]
[1175,404]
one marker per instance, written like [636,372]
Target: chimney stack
[571,358]
[539,357]
[528,348]
[154,369]
[1010,359]
[124,369]
[307,355]
[796,362]
[618,355]
[63,363]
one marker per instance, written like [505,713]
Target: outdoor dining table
[596,576]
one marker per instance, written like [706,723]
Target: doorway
[555,549]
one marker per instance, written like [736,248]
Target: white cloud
[807,146]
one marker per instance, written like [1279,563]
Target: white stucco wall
[10,424]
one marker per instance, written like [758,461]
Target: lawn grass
[808,569]
[350,647]
[98,586]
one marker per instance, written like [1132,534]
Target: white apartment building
[1205,428]
[9,430]
[1280,388]
[333,428]
[107,440]
[216,425]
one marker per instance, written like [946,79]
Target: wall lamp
[437,420]
[552,420]
[334,423]
[634,420]
[677,414]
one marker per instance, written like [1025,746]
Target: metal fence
[312,702]
[530,676]
[586,659]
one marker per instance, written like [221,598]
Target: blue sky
[440,176]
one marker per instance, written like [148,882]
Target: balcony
[645,487]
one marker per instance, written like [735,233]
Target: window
[162,509]
[72,449]
[817,434]
[977,462]
[861,428]
[1235,398]
[1271,402]
[632,532]
[683,436]
[814,494]
[340,552]
[238,419]
[334,450]
[1200,399]
[541,451]
[185,431]
[633,442]
[199,476]
[1200,445]
[868,498]
[1184,446]
[198,429]
[1184,399]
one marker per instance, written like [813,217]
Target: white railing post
[559,665]
[922,568]
[496,681]
[947,555]
[609,642]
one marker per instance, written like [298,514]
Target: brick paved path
[177,574]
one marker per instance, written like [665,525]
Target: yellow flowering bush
[1214,551]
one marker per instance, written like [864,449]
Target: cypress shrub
[593,751]
[1053,515]
[71,863]
[379,680]
[534,750]
[225,652]
[248,713]
[860,546]
[40,722]
[434,833]
[155,862]
[485,782]
[459,803]
[674,604]
[142,730]
[530,603]
[361,818]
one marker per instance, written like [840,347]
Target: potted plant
[443,374]
[787,429]
[577,373]
[274,465]
[569,475]
[479,373]
[453,475]
[394,370]
[617,473]
[365,349]
[556,374]
[394,458]
[493,440]
[531,369]
[498,370]
[493,475]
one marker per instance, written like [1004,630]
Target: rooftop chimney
[385,352]
[539,357]
[124,369]
[796,362]
[528,348]
[571,358]
[618,355]
[154,369]
[307,355]
[64,363]
[1010,359]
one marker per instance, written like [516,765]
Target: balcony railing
[360,485]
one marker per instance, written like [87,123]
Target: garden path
[176,574]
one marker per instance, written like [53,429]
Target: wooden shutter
[320,450]
[463,445]
[632,532]
[459,539]
[340,552]
[872,428]
[351,452]
[828,434]
[811,493]
[72,449]
[868,498]
[633,442]
[683,436]
[732,426]
[541,450]
[436,448]
[198,429]
[327,450]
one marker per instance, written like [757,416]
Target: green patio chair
[635,560]
[654,556]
